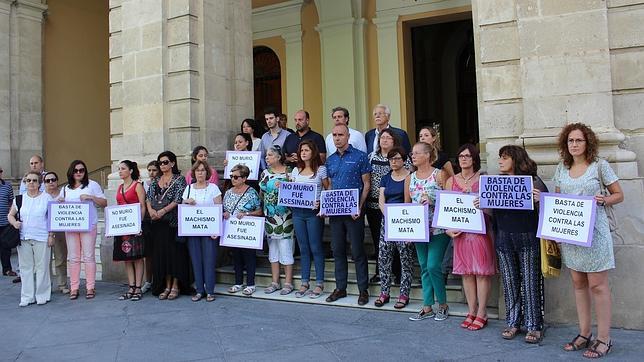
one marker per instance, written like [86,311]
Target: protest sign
[406,222]
[297,194]
[247,232]
[69,216]
[199,220]
[567,218]
[247,158]
[339,202]
[456,211]
[505,192]
[123,220]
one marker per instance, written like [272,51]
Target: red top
[130,195]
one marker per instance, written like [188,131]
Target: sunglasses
[164,162]
[79,170]
[50,180]
[236,177]
[30,180]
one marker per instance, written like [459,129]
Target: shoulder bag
[10,236]
[610,211]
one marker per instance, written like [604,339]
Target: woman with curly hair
[582,172]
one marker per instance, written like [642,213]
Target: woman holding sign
[82,245]
[279,221]
[34,251]
[420,188]
[171,268]
[308,226]
[473,253]
[203,249]
[582,172]
[239,201]
[127,248]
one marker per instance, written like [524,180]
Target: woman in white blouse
[34,250]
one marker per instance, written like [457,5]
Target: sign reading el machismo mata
[247,232]
[406,222]
[456,211]
[69,216]
[505,192]
[123,220]
[247,158]
[339,202]
[199,220]
[296,194]
[567,218]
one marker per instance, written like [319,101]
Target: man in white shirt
[340,116]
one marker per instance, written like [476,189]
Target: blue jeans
[203,253]
[308,231]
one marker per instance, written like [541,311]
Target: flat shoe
[210,298]
[197,297]
[481,324]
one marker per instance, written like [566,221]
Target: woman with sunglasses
[81,245]
[130,192]
[60,244]
[201,153]
[239,201]
[6,198]
[171,263]
[34,251]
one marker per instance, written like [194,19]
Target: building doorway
[267,80]
[444,81]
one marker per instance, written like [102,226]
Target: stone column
[21,126]
[388,68]
[294,77]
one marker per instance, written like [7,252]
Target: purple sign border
[91,216]
[107,219]
[259,154]
[511,176]
[426,237]
[354,209]
[260,246]
[315,194]
[437,208]
[589,240]
[180,208]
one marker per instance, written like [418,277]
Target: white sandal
[235,288]
[249,290]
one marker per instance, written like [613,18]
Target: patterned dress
[279,219]
[427,188]
[599,256]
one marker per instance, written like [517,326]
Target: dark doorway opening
[444,78]
[267,80]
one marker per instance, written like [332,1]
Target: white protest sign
[248,158]
[339,202]
[456,211]
[69,216]
[247,232]
[406,222]
[567,218]
[296,194]
[123,220]
[199,220]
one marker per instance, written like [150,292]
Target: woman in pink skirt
[474,256]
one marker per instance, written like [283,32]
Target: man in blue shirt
[381,115]
[303,132]
[348,168]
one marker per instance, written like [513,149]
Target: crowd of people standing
[385,168]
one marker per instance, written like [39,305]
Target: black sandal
[592,351]
[534,337]
[128,294]
[136,296]
[572,346]
[382,300]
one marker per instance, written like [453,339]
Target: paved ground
[234,328]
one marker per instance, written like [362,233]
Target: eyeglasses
[578,141]
[164,162]
[50,180]
[79,170]
[236,177]
[464,157]
[30,180]
[1,171]
[397,158]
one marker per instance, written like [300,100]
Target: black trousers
[5,255]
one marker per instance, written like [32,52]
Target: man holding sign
[349,168]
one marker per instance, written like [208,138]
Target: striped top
[6,198]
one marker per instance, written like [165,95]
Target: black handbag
[133,247]
[10,236]
[159,203]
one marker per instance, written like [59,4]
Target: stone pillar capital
[30,9]
[385,22]
[292,37]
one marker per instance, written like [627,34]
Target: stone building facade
[181,74]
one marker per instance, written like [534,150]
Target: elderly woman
[201,153]
[34,251]
[82,245]
[473,253]
[130,192]
[203,249]
[279,221]
[392,191]
[420,188]
[582,172]
[239,201]
[170,261]
[50,179]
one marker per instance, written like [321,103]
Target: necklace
[467,181]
